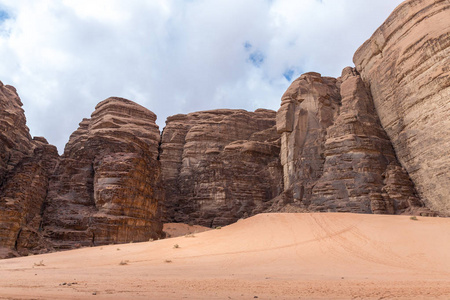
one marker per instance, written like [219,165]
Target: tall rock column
[308,108]
[358,158]
[406,64]
[107,187]
[334,152]
[25,167]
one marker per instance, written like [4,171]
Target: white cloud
[174,56]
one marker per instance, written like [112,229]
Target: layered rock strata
[219,166]
[308,108]
[25,167]
[107,186]
[15,139]
[406,64]
[360,172]
[350,144]
[335,154]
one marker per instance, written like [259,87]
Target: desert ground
[268,256]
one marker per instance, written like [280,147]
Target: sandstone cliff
[15,139]
[406,64]
[25,167]
[219,166]
[335,154]
[375,140]
[107,185]
[361,172]
[308,108]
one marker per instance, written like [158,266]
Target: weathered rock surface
[25,167]
[406,64]
[107,186]
[350,144]
[361,172]
[308,108]
[23,197]
[335,154]
[220,165]
[15,139]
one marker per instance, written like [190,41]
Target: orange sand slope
[179,229]
[269,256]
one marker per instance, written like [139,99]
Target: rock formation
[375,140]
[361,172]
[14,135]
[308,108]
[220,165]
[25,167]
[335,154]
[107,185]
[406,64]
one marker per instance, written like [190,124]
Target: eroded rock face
[107,187]
[308,108]
[15,139]
[406,65]
[24,195]
[335,154]
[358,172]
[25,167]
[219,166]
[349,144]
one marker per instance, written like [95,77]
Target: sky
[171,56]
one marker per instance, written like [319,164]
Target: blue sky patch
[3,15]
[256,58]
[288,74]
[292,72]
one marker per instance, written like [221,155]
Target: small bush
[40,264]
[124,262]
[176,246]
[219,227]
[168,261]
[414,218]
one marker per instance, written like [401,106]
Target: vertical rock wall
[220,165]
[308,108]
[25,167]
[358,159]
[335,154]
[406,64]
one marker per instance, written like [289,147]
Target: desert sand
[179,229]
[268,256]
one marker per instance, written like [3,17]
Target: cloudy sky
[171,56]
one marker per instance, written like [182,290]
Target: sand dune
[269,256]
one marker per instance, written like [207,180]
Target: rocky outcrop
[107,186]
[335,154]
[308,108]
[347,144]
[25,167]
[361,173]
[220,165]
[23,197]
[15,139]
[406,65]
